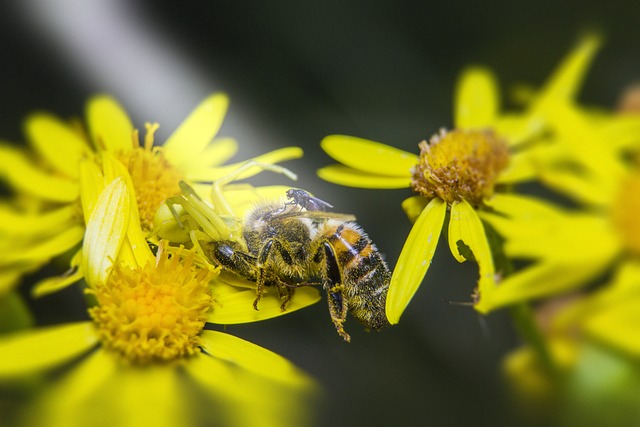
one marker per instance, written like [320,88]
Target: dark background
[297,71]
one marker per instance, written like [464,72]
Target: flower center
[460,165]
[154,178]
[624,212]
[154,313]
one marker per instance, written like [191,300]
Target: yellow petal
[272,157]
[106,230]
[16,223]
[565,256]
[619,326]
[415,258]
[465,227]
[23,175]
[109,124]
[583,189]
[369,156]
[542,279]
[413,207]
[44,348]
[344,175]
[82,388]
[134,252]
[196,132]
[55,284]
[516,129]
[9,277]
[536,229]
[242,200]
[148,397]
[477,99]
[621,132]
[250,357]
[237,307]
[521,168]
[45,248]
[14,312]
[57,142]
[567,79]
[622,287]
[92,183]
[242,398]
[524,207]
[218,152]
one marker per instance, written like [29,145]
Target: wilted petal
[106,231]
[466,228]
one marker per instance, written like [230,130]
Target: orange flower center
[155,313]
[460,165]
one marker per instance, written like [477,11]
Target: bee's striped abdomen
[365,275]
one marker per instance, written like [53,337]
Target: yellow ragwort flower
[49,177]
[145,345]
[457,171]
[567,248]
[593,343]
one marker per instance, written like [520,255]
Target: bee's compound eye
[223,253]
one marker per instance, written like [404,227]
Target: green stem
[527,327]
[522,314]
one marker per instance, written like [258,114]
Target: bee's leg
[335,296]
[263,256]
[259,287]
[285,291]
[338,310]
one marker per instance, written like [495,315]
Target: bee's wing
[317,215]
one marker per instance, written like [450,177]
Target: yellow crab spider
[217,222]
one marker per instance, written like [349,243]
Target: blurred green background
[297,71]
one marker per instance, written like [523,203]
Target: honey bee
[293,246]
[286,246]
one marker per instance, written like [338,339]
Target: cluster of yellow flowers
[145,346]
[569,274]
[544,261]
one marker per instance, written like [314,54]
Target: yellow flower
[457,172]
[51,223]
[570,248]
[146,347]
[592,340]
